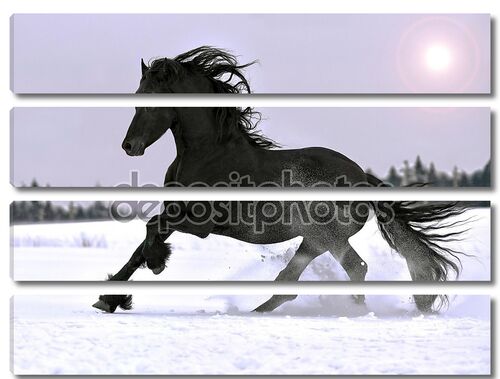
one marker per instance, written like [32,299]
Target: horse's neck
[180,146]
[197,132]
[195,129]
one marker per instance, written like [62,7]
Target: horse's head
[169,76]
[201,70]
[147,126]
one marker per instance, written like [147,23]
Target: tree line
[47,211]
[429,174]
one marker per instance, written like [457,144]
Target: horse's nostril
[127,146]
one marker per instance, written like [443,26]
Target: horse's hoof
[109,303]
[274,302]
[358,299]
[156,255]
[158,270]
[424,303]
[103,306]
[261,309]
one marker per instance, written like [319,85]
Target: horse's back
[316,165]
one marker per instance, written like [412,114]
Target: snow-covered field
[89,251]
[217,335]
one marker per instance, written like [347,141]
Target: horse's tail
[419,231]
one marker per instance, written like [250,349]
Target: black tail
[419,231]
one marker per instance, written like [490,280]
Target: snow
[89,251]
[320,334]
[217,335]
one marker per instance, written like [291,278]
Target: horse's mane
[245,120]
[213,63]
[216,64]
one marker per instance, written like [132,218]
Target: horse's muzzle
[133,148]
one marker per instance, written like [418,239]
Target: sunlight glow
[438,57]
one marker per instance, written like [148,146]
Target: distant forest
[45,211]
[421,173]
[31,212]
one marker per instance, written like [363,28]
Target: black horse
[221,147]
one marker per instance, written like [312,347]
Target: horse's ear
[144,68]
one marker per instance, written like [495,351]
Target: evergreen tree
[432,177]
[80,213]
[445,180]
[420,171]
[48,211]
[455,177]
[393,177]
[486,177]
[463,180]
[23,210]
[14,215]
[100,211]
[60,214]
[406,173]
[71,211]
[36,211]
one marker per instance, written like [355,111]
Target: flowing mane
[221,68]
[213,63]
[245,121]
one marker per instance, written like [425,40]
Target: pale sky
[314,53]
[82,146]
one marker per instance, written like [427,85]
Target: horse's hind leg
[304,255]
[422,268]
[353,264]
[419,271]
[425,303]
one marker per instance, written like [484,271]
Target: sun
[438,57]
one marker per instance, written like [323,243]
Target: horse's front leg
[109,303]
[159,228]
[146,252]
[155,251]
